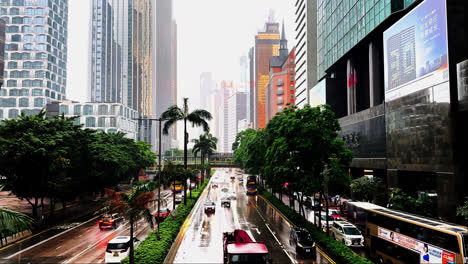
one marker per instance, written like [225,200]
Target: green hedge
[154,251]
[337,250]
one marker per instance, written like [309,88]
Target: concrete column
[375,93]
[351,91]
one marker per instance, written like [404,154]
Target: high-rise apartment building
[306,49]
[2,52]
[35,55]
[266,45]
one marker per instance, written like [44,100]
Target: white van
[119,248]
[347,233]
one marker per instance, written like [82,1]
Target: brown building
[266,45]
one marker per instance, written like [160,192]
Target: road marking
[58,247]
[50,238]
[282,247]
[92,245]
[273,233]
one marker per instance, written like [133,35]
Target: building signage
[415,51]
[429,253]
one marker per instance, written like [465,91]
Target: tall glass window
[90,122]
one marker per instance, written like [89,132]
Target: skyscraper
[251,103]
[306,49]
[237,111]
[266,45]
[133,59]
[35,55]
[207,85]
[120,54]
[163,30]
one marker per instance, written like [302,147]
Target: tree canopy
[298,146]
[54,158]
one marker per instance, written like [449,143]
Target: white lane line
[91,245]
[58,247]
[277,240]
[50,238]
[282,247]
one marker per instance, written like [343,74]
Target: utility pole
[159,166]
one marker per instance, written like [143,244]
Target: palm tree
[198,117]
[172,173]
[12,223]
[205,144]
[133,206]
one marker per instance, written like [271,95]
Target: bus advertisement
[397,237]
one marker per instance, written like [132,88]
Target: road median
[172,230]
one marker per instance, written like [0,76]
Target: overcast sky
[212,35]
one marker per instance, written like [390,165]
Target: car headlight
[299,245]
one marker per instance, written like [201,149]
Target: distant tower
[283,52]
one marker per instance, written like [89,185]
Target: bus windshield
[247,258]
[351,231]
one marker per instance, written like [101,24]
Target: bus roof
[434,223]
[365,205]
[247,248]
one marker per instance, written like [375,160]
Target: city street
[203,240]
[81,243]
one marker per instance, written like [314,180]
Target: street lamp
[159,165]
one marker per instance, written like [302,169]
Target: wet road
[81,243]
[202,242]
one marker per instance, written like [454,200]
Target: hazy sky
[212,35]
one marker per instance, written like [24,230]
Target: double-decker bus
[397,237]
[176,186]
[251,185]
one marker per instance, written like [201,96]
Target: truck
[239,247]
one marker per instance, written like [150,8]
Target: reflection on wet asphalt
[203,241]
[84,244]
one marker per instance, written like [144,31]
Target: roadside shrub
[337,250]
[153,251]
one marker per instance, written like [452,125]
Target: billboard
[428,253]
[415,50]
[317,95]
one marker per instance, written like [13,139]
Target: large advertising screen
[415,50]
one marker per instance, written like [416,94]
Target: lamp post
[159,165]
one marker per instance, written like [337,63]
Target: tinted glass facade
[121,53]
[341,24]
